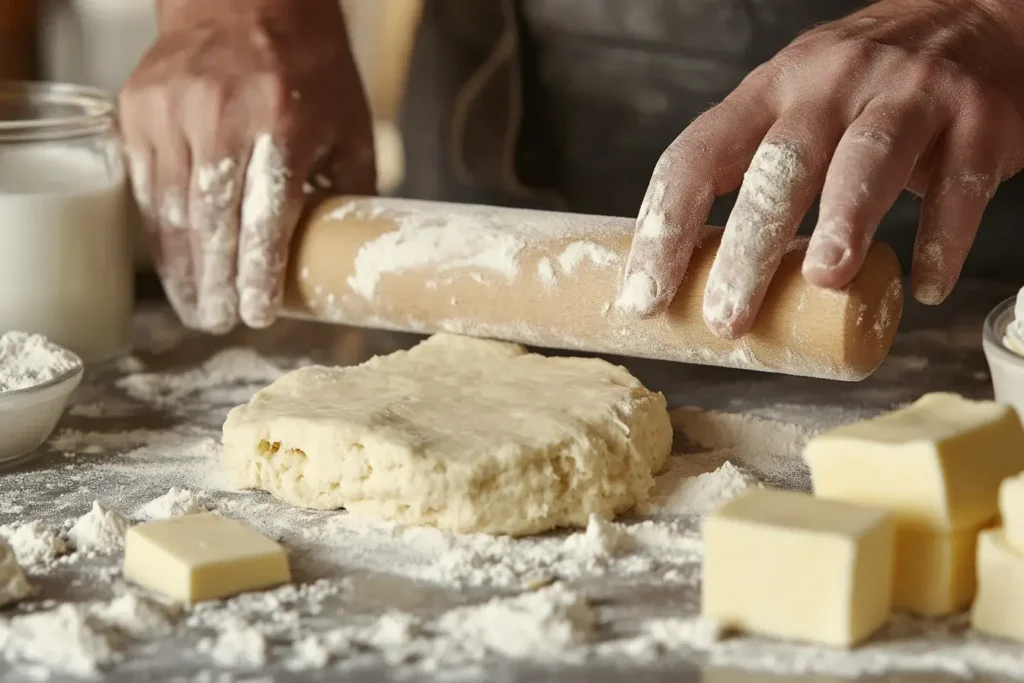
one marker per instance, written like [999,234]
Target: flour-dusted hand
[235,107]
[916,94]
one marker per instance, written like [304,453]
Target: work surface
[374,594]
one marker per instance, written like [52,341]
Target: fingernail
[257,307]
[825,255]
[720,312]
[638,295]
[929,291]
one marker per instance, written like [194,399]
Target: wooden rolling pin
[551,279]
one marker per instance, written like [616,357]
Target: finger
[140,164]
[780,185]
[214,199]
[271,207]
[871,166]
[159,164]
[174,249]
[706,160]
[961,185]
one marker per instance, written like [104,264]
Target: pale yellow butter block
[1011,509]
[202,557]
[936,464]
[789,565]
[935,570]
[999,606]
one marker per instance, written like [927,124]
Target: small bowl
[1005,366]
[28,416]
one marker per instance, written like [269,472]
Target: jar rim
[83,110]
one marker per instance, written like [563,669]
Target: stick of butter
[999,607]
[789,565]
[1011,508]
[936,464]
[934,570]
[202,557]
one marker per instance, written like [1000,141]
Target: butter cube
[789,565]
[999,607]
[936,464]
[202,557]
[1011,508]
[935,570]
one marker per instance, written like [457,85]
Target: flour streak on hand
[214,218]
[263,256]
[755,239]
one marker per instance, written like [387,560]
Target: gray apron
[567,104]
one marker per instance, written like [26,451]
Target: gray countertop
[937,349]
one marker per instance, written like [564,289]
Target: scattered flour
[237,647]
[27,360]
[13,585]
[175,503]
[99,532]
[600,539]
[35,544]
[631,548]
[769,450]
[82,639]
[136,616]
[700,494]
[65,640]
[549,623]
[230,366]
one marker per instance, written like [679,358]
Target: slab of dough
[465,434]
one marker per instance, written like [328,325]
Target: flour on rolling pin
[444,237]
[555,280]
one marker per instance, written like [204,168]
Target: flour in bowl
[27,360]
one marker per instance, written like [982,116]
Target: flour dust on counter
[377,599]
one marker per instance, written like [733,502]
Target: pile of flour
[27,360]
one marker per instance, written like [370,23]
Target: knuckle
[850,53]
[871,137]
[926,72]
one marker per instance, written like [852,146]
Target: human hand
[235,107]
[915,94]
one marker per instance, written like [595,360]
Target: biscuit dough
[465,434]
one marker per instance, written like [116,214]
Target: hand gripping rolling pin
[551,280]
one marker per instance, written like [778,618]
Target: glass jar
[66,268]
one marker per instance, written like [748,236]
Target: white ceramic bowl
[28,416]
